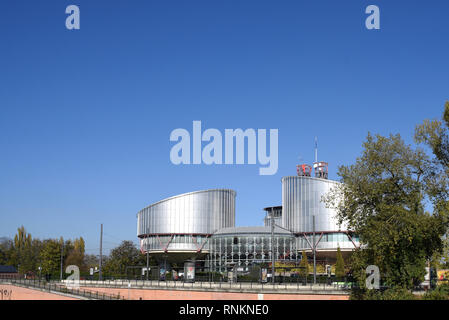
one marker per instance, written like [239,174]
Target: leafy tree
[441,292]
[442,262]
[382,198]
[92,261]
[6,246]
[435,134]
[75,254]
[31,256]
[20,253]
[304,265]
[75,258]
[50,257]
[126,254]
[340,265]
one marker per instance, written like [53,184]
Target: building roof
[251,230]
[187,194]
[7,269]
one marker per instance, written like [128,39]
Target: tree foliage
[28,254]
[304,265]
[382,198]
[126,254]
[435,134]
[50,257]
[340,265]
[6,246]
[75,254]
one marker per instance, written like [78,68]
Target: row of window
[246,243]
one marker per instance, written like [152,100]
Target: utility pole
[62,254]
[314,252]
[101,253]
[273,258]
[148,256]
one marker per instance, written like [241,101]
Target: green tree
[6,245]
[126,254]
[382,199]
[91,261]
[75,254]
[304,265]
[340,265]
[31,256]
[20,253]
[435,134]
[50,257]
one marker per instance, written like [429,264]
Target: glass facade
[249,246]
[328,241]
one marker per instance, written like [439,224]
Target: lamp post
[314,252]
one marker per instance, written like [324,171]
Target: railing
[287,287]
[62,288]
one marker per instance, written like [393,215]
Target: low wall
[152,294]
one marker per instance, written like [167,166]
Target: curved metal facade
[301,199]
[184,222]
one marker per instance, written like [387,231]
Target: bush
[398,294]
[439,293]
[395,293]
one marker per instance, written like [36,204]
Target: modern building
[306,215]
[246,246]
[177,229]
[276,213]
[200,226]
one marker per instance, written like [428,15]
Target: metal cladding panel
[301,199]
[201,212]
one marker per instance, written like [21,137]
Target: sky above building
[86,115]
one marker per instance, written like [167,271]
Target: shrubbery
[439,293]
[395,293]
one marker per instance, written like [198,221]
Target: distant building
[8,272]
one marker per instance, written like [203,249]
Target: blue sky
[86,115]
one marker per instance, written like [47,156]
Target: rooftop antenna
[316,149]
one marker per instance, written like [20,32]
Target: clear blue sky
[85,115]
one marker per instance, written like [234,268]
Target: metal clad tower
[301,200]
[178,228]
